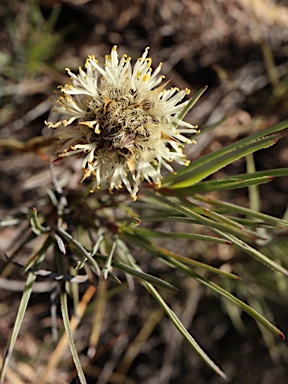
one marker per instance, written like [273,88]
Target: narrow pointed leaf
[18,321]
[216,288]
[210,157]
[220,185]
[178,325]
[37,228]
[183,331]
[246,211]
[194,175]
[222,226]
[65,316]
[60,244]
[143,242]
[140,275]
[178,235]
[278,172]
[22,308]
[253,252]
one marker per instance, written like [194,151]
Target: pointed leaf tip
[222,375]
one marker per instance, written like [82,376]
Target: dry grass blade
[20,315]
[100,304]
[11,376]
[135,347]
[63,342]
[40,255]
[69,333]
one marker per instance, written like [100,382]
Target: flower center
[128,125]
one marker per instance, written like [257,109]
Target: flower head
[123,122]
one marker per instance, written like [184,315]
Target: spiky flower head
[124,123]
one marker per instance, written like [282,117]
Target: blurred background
[239,48]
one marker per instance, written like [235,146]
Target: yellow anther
[146,77]
[89,124]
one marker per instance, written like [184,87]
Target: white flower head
[122,121]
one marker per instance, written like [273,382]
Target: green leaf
[36,260]
[92,260]
[253,252]
[157,251]
[216,288]
[22,308]
[177,235]
[173,317]
[108,262]
[140,275]
[183,331]
[198,215]
[246,211]
[65,316]
[37,228]
[85,254]
[219,185]
[232,182]
[278,172]
[212,156]
[209,166]
[60,244]
[18,322]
